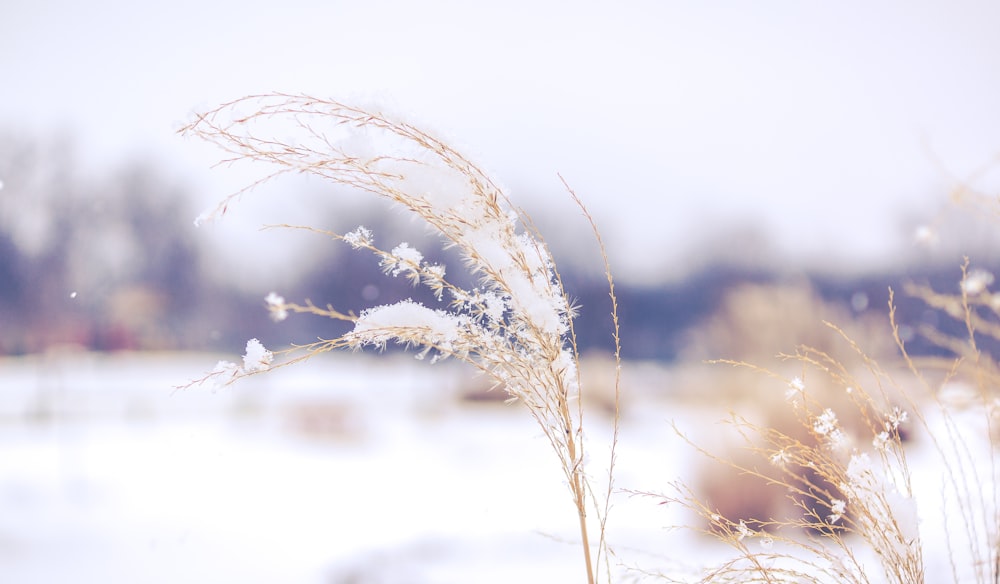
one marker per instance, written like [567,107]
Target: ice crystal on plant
[276,306]
[976,282]
[406,253]
[881,441]
[826,423]
[837,508]
[204,217]
[434,279]
[407,321]
[360,237]
[257,358]
[494,306]
[795,388]
[514,326]
[743,531]
[896,418]
[404,260]
[226,368]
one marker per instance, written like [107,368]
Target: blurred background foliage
[113,262]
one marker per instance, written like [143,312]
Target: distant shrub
[864,514]
[756,322]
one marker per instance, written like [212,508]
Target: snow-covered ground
[347,469]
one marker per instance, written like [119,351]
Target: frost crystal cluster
[256,359]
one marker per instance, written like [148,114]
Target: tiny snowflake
[881,441]
[360,237]
[257,358]
[404,253]
[837,508]
[224,371]
[896,418]
[780,458]
[976,282]
[795,387]
[276,306]
[925,235]
[826,423]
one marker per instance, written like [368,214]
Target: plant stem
[579,495]
[582,512]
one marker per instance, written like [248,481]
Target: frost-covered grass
[857,514]
[890,475]
[515,326]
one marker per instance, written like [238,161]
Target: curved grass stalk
[516,325]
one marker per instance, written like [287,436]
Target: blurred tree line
[91,261]
[113,262]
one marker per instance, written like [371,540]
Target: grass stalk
[516,325]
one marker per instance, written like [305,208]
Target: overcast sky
[818,124]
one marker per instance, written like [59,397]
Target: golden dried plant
[516,326]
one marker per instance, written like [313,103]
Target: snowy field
[349,469]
